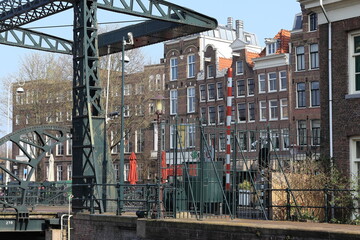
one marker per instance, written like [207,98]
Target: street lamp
[159,106]
[19,90]
[123,60]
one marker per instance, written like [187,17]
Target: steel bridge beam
[17,13]
[146,33]
[35,40]
[159,10]
[14,14]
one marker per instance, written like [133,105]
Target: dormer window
[313,22]
[210,71]
[271,46]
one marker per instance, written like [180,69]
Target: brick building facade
[344,27]
[50,103]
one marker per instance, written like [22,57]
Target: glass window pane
[357,149]
[357,44]
[300,50]
[313,47]
[357,87]
[357,64]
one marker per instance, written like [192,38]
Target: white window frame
[151,108]
[273,108]
[115,149]
[127,89]
[116,171]
[127,142]
[69,145]
[282,80]
[158,82]
[190,99]
[210,71]
[282,107]
[285,137]
[172,136]
[298,132]
[17,119]
[312,91]
[126,171]
[139,140]
[69,172]
[239,67]
[272,82]
[174,69]
[126,111]
[252,144]
[262,82]
[151,83]
[139,110]
[351,59]
[262,110]
[237,88]
[310,22]
[245,112]
[173,102]
[219,91]
[275,138]
[303,93]
[271,47]
[60,148]
[202,94]
[191,66]
[354,160]
[248,110]
[300,65]
[213,90]
[210,122]
[139,89]
[248,87]
[68,116]
[190,138]
[313,121]
[219,115]
[314,56]
[59,170]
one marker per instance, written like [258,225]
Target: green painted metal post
[202,159]
[122,162]
[233,185]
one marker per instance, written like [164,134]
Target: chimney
[239,29]
[230,22]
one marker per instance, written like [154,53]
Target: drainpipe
[330,99]
[330,84]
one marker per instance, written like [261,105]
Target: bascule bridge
[162,21]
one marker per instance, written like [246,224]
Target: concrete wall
[97,227]
[89,227]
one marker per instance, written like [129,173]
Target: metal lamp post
[159,105]
[123,60]
[19,90]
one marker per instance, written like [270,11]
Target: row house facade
[33,108]
[195,75]
[305,84]
[271,96]
[339,47]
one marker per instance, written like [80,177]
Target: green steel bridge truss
[167,21]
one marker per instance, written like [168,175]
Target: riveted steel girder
[35,40]
[160,10]
[17,13]
[34,143]
[89,142]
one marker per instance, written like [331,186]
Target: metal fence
[270,178]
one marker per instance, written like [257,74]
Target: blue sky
[262,17]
